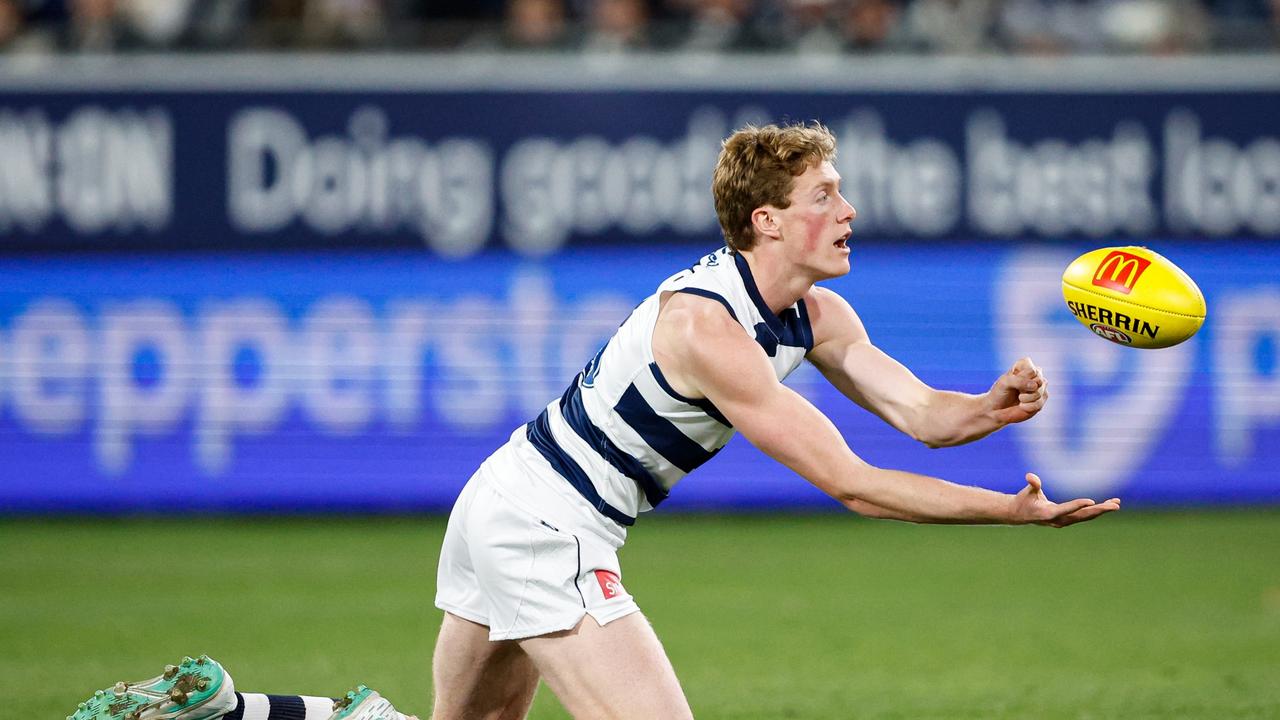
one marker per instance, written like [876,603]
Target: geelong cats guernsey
[621,435]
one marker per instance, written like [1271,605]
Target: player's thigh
[618,670]
[477,678]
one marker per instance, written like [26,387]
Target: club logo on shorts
[1120,271]
[610,584]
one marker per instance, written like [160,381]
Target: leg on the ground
[201,689]
[478,679]
[615,671]
[359,704]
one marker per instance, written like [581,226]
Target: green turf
[1135,616]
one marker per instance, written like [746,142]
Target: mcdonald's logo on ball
[1120,271]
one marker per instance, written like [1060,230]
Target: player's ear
[765,221]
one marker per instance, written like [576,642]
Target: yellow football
[1134,297]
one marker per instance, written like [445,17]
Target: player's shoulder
[825,305]
[694,315]
[832,317]
[709,275]
[819,295]
[696,335]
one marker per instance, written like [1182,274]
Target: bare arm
[865,374]
[697,342]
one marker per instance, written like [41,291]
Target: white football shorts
[525,555]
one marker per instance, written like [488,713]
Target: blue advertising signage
[458,171]
[379,381]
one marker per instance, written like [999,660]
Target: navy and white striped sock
[256,706]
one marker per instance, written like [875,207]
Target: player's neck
[779,284]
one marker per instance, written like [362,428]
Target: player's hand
[1031,506]
[1018,394]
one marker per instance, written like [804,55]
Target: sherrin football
[1134,297]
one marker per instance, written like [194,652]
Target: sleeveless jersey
[621,435]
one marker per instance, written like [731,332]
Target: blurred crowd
[820,26]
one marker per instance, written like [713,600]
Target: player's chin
[829,272]
[837,267]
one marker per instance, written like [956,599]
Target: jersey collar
[774,324]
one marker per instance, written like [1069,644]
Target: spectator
[12,23]
[1050,27]
[156,23]
[710,25]
[31,26]
[952,26]
[343,23]
[275,23]
[1244,24]
[1153,26]
[535,25]
[807,26]
[617,25]
[869,26]
[1275,23]
[94,26]
[217,23]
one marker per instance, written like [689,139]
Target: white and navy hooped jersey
[621,434]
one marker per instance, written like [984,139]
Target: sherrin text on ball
[1133,296]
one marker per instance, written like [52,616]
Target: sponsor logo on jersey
[592,369]
[1120,271]
[1110,333]
[610,584]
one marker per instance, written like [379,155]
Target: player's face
[815,227]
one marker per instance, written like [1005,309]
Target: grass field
[1140,615]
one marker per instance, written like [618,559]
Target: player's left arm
[865,374]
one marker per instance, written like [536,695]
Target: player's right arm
[709,354]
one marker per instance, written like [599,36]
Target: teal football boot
[196,689]
[365,704]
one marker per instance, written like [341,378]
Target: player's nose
[849,213]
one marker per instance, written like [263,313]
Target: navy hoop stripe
[702,404]
[660,433]
[286,707]
[539,434]
[575,414]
